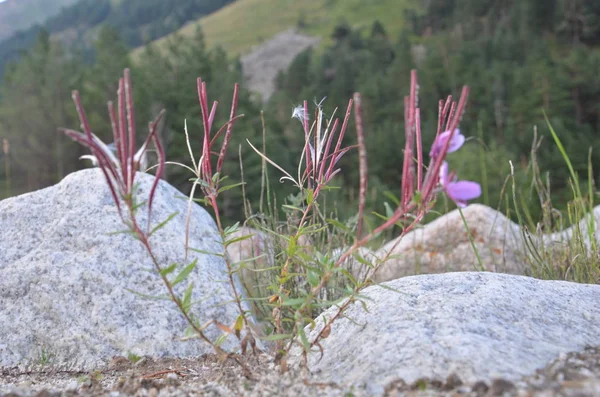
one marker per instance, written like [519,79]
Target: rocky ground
[574,374]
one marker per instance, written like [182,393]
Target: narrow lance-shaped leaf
[239,323]
[184,273]
[187,297]
[163,223]
[169,269]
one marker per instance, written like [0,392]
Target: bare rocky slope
[263,63]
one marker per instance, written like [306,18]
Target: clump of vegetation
[555,251]
[301,276]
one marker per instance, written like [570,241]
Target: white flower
[299,113]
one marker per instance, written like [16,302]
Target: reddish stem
[131,127]
[362,161]
[232,117]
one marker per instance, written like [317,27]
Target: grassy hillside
[245,23]
[21,14]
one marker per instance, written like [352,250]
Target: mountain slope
[22,14]
[243,24]
[138,22]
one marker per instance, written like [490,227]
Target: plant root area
[570,375]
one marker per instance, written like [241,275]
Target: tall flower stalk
[120,170]
[418,191]
[316,168]
[420,185]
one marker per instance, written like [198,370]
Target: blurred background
[519,58]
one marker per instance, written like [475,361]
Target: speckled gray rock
[443,246]
[63,277]
[568,233]
[477,325]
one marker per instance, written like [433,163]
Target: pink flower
[458,191]
[456,142]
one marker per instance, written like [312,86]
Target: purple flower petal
[444,173]
[463,190]
[455,143]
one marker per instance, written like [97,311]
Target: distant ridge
[18,15]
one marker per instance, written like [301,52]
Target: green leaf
[392,289]
[121,232]
[231,229]
[168,270]
[163,223]
[313,278]
[348,275]
[310,196]
[392,197]
[200,182]
[292,247]
[237,239]
[228,187]
[222,338]
[327,187]
[377,214]
[187,297]
[418,199]
[134,358]
[389,212]
[206,252]
[262,269]
[292,207]
[136,206]
[277,337]
[190,333]
[363,261]
[303,339]
[293,301]
[339,225]
[239,324]
[184,273]
[151,297]
[364,305]
[200,200]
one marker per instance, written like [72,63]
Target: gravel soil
[573,374]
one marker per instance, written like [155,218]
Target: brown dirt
[571,375]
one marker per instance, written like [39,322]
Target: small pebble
[453,381]
[501,386]
[480,388]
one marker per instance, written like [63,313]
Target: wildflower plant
[302,274]
[420,185]
[120,170]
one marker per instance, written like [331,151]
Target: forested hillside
[520,59]
[138,22]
